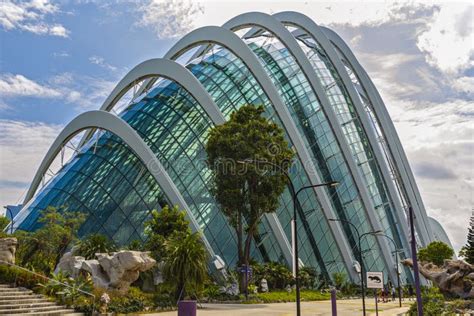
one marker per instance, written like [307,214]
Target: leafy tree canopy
[4,221]
[161,226]
[246,192]
[92,244]
[436,252]
[42,249]
[185,263]
[467,251]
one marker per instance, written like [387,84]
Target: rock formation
[115,271]
[8,249]
[455,277]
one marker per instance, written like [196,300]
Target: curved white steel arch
[393,141]
[269,23]
[229,40]
[303,22]
[112,123]
[169,69]
[164,68]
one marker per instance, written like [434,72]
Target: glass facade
[108,182]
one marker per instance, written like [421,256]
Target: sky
[61,58]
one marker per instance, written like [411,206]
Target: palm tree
[185,262]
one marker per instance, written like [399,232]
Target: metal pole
[297,266]
[333,301]
[376,303]
[419,303]
[361,274]
[398,281]
[397,267]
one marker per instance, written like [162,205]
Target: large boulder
[455,277]
[110,271]
[124,267]
[70,264]
[8,250]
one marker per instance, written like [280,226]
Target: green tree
[161,226]
[467,251]
[340,280]
[42,249]
[308,276]
[92,244]
[246,192]
[436,252]
[4,221]
[185,263]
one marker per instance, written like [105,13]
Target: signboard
[375,280]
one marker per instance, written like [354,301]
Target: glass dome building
[151,152]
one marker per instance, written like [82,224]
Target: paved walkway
[344,307]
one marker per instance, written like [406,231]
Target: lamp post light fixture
[361,261]
[294,195]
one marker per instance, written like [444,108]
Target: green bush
[11,275]
[278,276]
[432,301]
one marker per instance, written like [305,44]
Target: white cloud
[84,92]
[22,147]
[18,85]
[464,84]
[448,38]
[100,61]
[168,18]
[439,141]
[30,16]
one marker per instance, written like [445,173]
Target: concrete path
[344,307]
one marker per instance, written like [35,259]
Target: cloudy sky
[58,59]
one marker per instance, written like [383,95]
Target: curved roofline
[233,43]
[274,26]
[312,28]
[393,140]
[164,68]
[114,124]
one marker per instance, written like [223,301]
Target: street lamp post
[361,261]
[398,270]
[419,303]
[294,195]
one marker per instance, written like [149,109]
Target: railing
[51,280]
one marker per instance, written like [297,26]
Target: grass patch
[284,296]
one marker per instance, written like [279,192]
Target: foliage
[4,221]
[92,244]
[436,252]
[308,276]
[161,226]
[10,275]
[432,302]
[467,251]
[284,296]
[278,276]
[185,263]
[41,250]
[340,280]
[247,191]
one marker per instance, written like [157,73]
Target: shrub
[278,276]
[11,275]
[92,244]
[432,301]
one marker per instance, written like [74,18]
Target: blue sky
[61,58]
